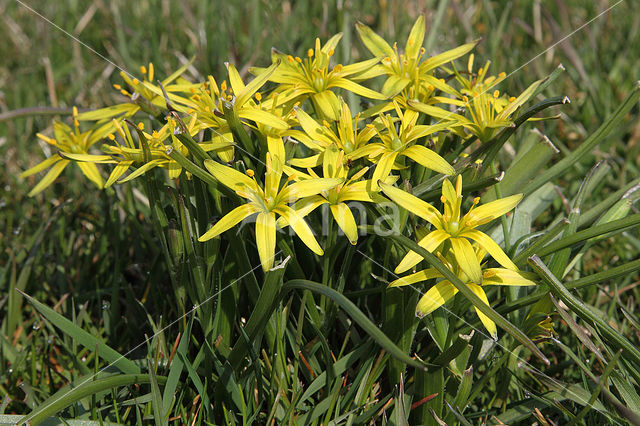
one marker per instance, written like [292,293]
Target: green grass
[94,264]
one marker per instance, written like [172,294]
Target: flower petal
[91,171]
[306,188]
[250,89]
[487,212]
[228,176]
[266,239]
[414,204]
[499,276]
[263,117]
[383,168]
[466,258]
[394,85]
[229,220]
[117,171]
[326,104]
[345,220]
[372,41]
[448,56]
[437,296]
[314,130]
[301,228]
[424,275]
[429,159]
[488,323]
[429,243]
[51,175]
[491,247]
[415,39]
[356,88]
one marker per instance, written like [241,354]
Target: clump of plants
[345,242]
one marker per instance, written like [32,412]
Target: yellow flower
[488,110]
[318,137]
[351,189]
[453,229]
[401,142]
[132,154]
[149,89]
[70,140]
[311,77]
[407,73]
[267,201]
[444,290]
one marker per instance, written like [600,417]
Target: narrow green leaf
[84,338]
[583,311]
[588,145]
[358,316]
[81,388]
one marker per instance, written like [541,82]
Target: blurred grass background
[74,238]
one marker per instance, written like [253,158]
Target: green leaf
[81,388]
[358,316]
[85,339]
[592,141]
[583,311]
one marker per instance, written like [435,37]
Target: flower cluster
[287,142]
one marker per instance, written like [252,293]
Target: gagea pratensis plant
[330,177]
[301,126]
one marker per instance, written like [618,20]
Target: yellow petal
[499,276]
[48,179]
[127,109]
[306,163]
[429,159]
[466,258]
[356,88]
[315,130]
[437,296]
[331,43]
[488,323]
[303,208]
[229,220]
[228,176]
[117,171]
[276,148]
[266,239]
[394,85]
[91,171]
[358,67]
[413,204]
[359,191]
[140,170]
[491,247]
[250,89]
[448,56]
[424,275]
[416,38]
[263,117]
[101,159]
[346,222]
[40,166]
[306,188]
[383,167]
[524,97]
[326,104]
[430,242]
[372,41]
[301,228]
[487,212]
